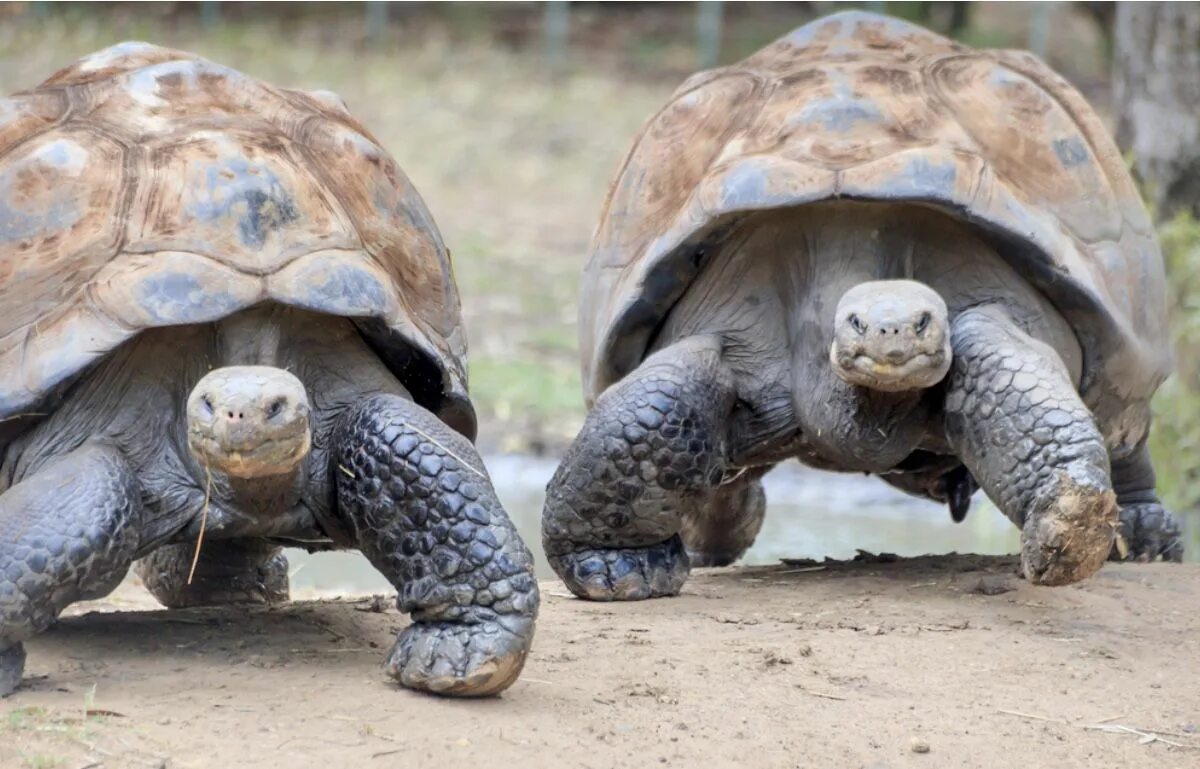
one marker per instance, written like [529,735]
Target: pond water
[811,514]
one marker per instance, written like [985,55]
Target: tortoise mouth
[918,372]
[271,456]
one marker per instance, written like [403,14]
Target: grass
[31,733]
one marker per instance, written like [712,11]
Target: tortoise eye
[857,324]
[274,409]
[207,404]
[923,322]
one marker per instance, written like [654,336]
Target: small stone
[992,585]
[919,745]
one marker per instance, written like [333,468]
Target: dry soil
[930,662]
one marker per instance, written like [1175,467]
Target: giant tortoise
[228,323]
[876,250]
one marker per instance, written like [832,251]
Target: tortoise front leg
[423,510]
[652,449]
[1017,422]
[67,533]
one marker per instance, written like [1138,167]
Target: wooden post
[210,13]
[709,18]
[376,19]
[1039,28]
[556,31]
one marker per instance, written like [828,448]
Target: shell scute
[60,214]
[242,199]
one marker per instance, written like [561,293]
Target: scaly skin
[227,572]
[652,449]
[67,533]
[718,533]
[1148,530]
[1018,424]
[424,513]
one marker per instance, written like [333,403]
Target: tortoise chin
[249,421]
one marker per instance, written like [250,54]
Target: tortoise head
[249,421]
[891,335]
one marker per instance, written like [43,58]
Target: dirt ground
[936,662]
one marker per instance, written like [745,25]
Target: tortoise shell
[866,107]
[144,187]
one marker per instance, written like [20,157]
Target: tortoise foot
[625,574]
[1149,532]
[461,660]
[12,666]
[1071,539]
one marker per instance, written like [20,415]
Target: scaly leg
[1019,425]
[718,533]
[67,533]
[652,448]
[1147,528]
[424,512]
[227,572]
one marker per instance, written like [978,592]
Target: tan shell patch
[60,199]
[240,199]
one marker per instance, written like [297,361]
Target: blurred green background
[511,120]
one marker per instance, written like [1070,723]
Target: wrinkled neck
[856,427]
[260,497]
[832,251]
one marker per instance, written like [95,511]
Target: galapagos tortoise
[876,250]
[226,313]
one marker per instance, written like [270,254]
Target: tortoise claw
[625,574]
[461,660]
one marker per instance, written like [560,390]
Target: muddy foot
[1071,540]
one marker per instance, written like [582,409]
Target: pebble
[919,745]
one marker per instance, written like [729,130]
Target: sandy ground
[932,662]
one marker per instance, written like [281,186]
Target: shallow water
[810,514]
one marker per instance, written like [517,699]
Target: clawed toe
[625,574]
[461,660]
[1147,532]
